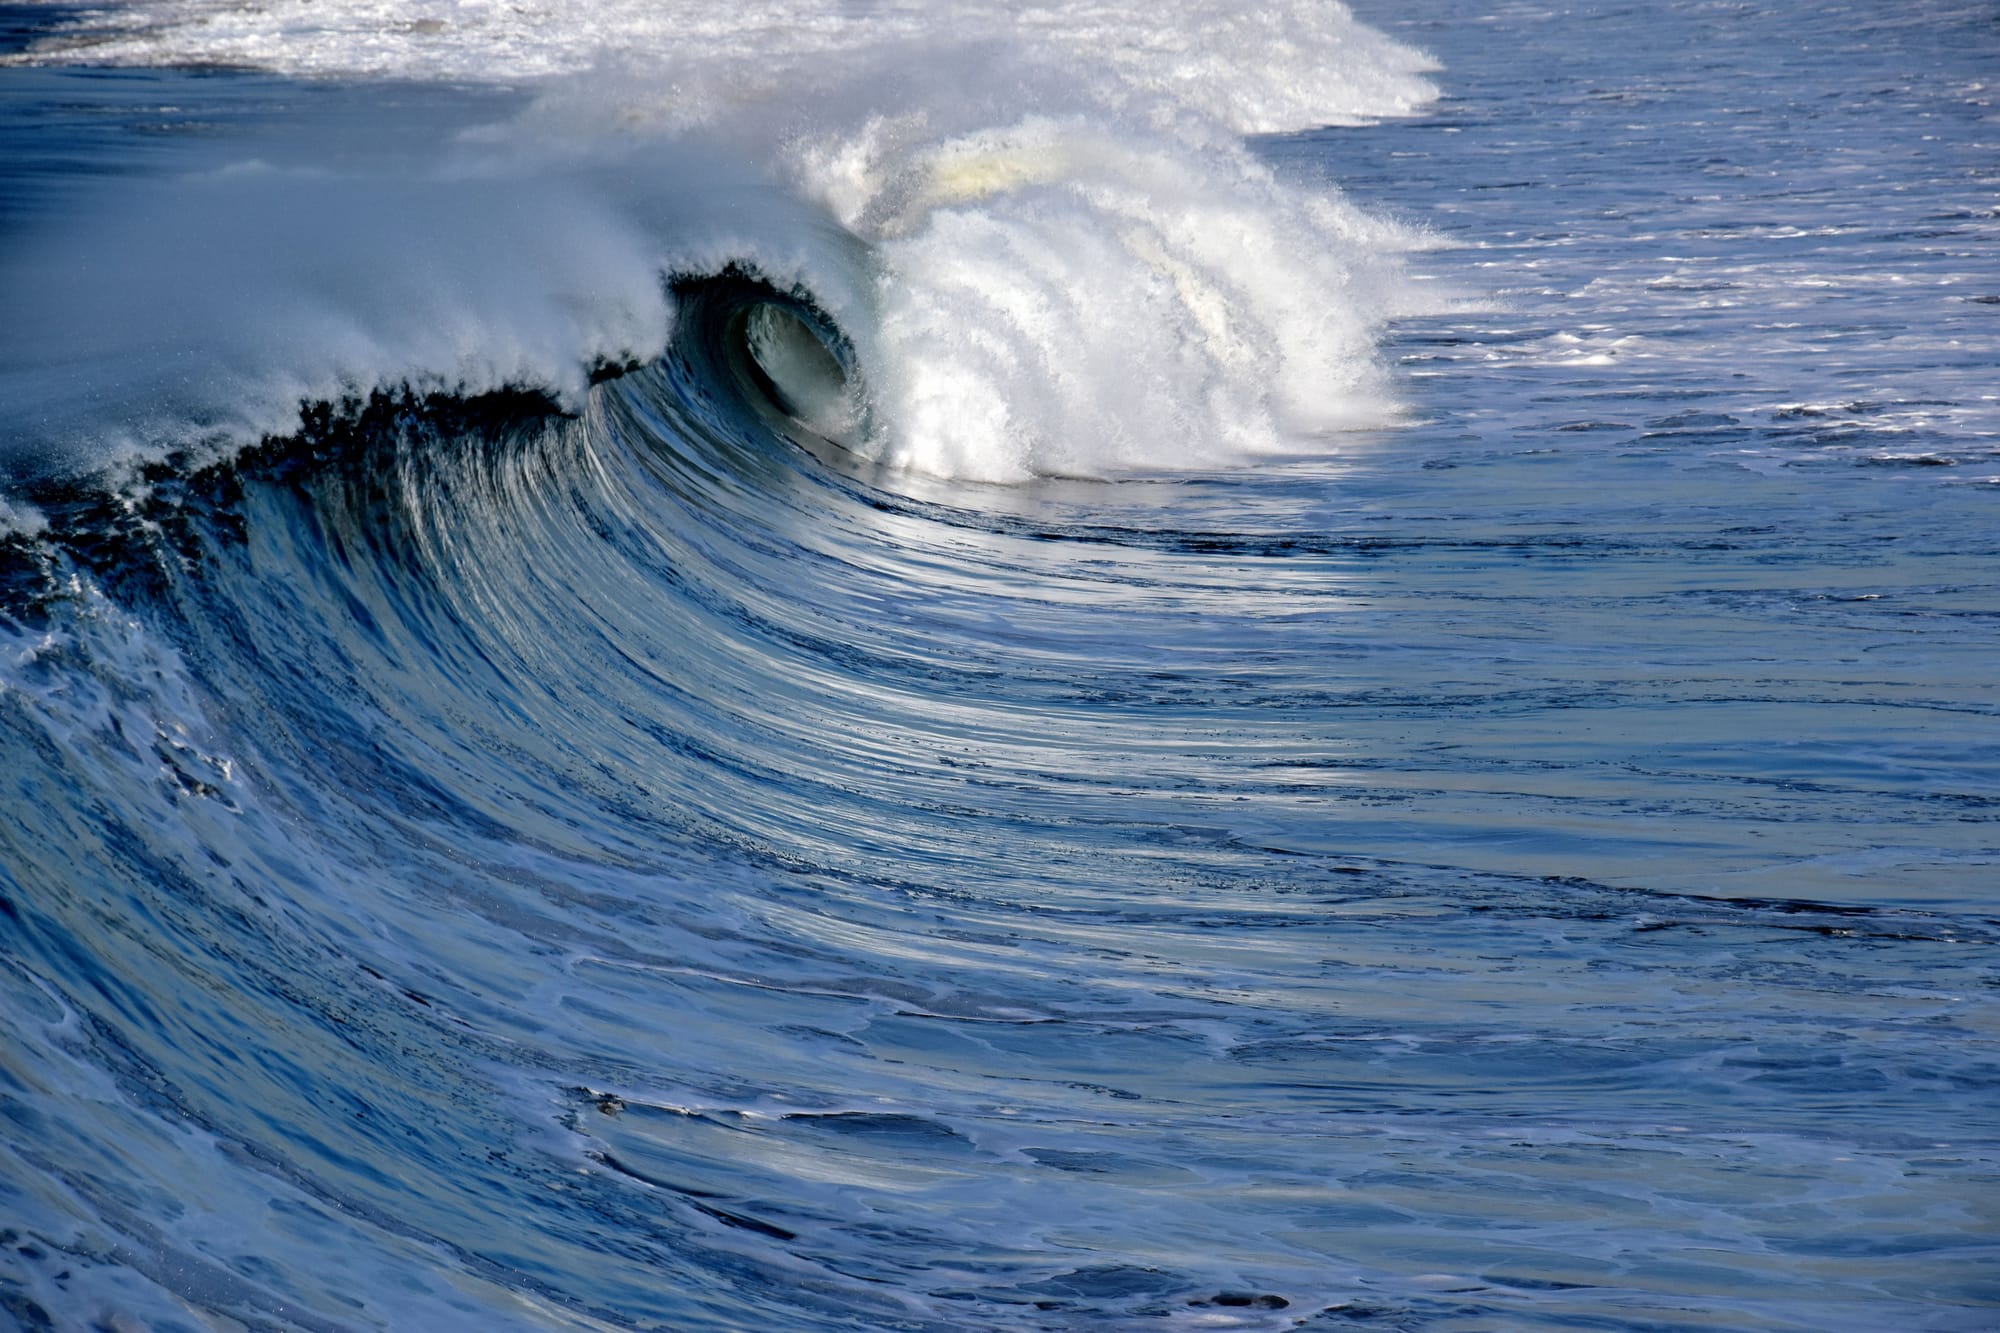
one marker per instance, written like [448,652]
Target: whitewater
[960,667]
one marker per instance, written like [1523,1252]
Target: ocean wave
[679,689]
[1048,254]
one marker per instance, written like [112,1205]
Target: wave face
[805,669]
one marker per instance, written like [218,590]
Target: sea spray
[1050,251]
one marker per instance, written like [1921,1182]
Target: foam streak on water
[859,670]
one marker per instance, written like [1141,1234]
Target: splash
[1041,232]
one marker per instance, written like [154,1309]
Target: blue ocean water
[1077,671]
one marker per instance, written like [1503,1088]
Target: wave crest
[1041,243]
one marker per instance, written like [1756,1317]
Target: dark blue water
[611,858]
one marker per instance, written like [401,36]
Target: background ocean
[939,667]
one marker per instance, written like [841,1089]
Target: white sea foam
[1056,299]
[1073,263]
[1256,69]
